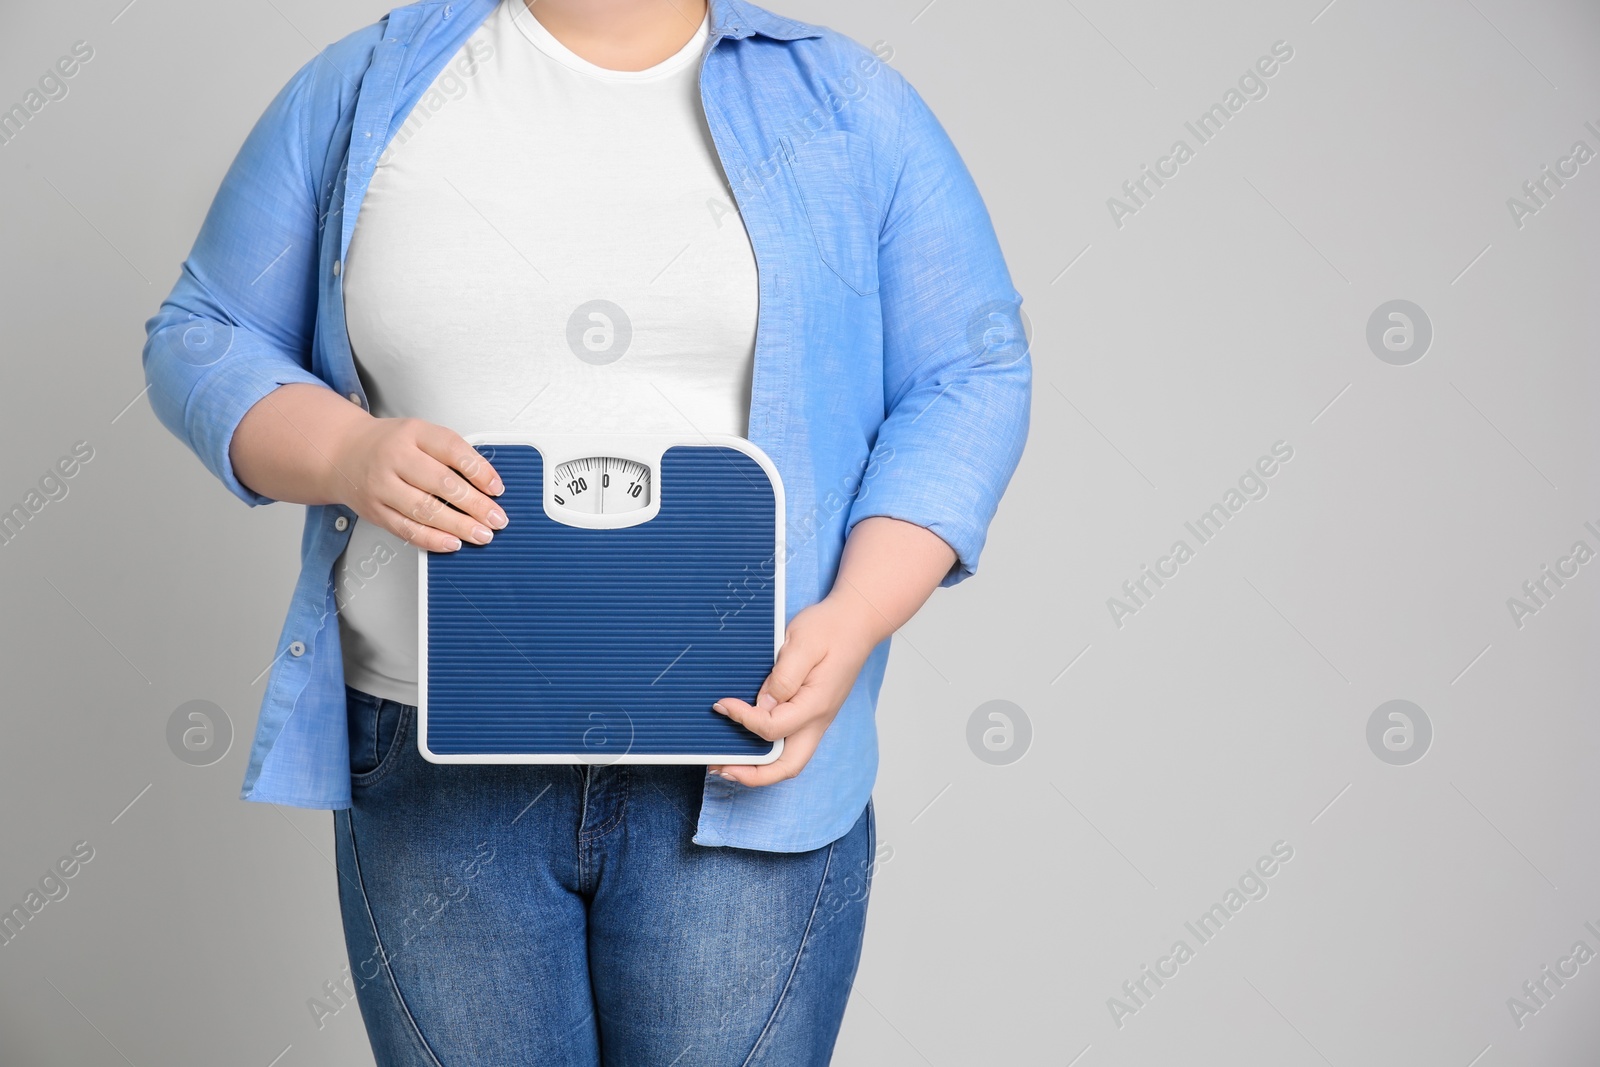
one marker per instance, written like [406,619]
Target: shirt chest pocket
[830,170]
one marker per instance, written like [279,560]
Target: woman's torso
[545,246]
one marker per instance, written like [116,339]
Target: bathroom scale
[638,580]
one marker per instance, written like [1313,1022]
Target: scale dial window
[601,485]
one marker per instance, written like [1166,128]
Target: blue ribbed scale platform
[555,643]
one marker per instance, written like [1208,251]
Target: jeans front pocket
[377,727]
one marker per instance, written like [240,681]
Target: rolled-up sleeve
[957,372]
[239,321]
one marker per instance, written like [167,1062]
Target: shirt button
[337,267]
[355,398]
[297,648]
[341,524]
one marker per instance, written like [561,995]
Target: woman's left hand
[823,651]
[888,568]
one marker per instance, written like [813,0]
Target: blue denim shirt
[891,375]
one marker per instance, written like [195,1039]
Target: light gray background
[1230,713]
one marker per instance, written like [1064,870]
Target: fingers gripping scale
[638,580]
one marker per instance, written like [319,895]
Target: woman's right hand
[410,476]
[307,444]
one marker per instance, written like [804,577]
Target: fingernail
[482,534]
[496,486]
[766,701]
[497,518]
[452,544]
[719,709]
[726,776]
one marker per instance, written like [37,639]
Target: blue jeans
[560,915]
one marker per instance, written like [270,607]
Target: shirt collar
[737,19]
[729,18]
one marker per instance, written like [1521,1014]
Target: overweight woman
[604,216]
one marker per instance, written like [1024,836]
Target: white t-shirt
[545,245]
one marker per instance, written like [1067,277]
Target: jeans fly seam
[579,847]
[626,784]
[800,952]
[383,953]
